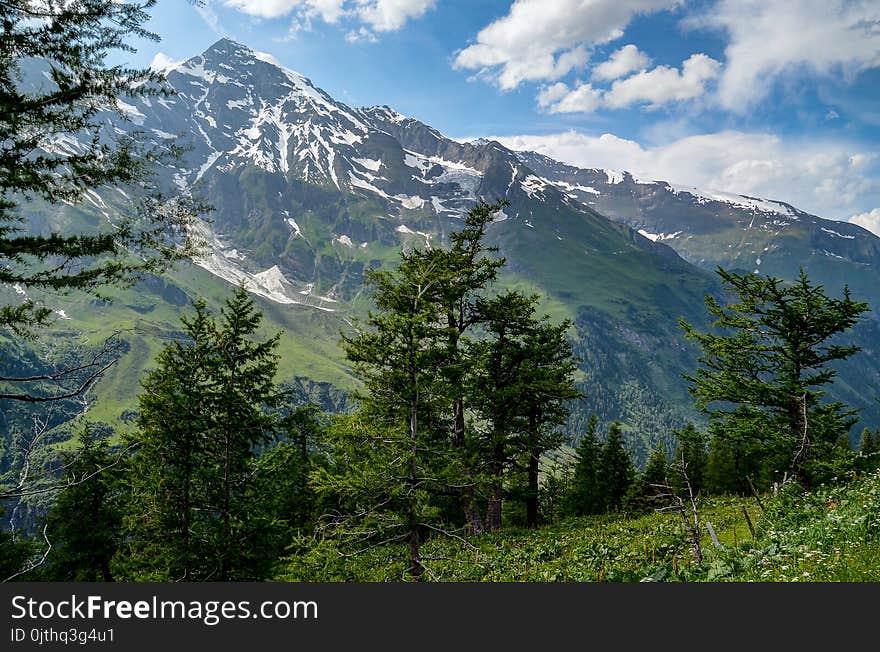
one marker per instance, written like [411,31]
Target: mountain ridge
[309,193]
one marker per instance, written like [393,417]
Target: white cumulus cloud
[830,179]
[769,38]
[869,220]
[622,62]
[655,87]
[373,15]
[391,15]
[558,98]
[265,8]
[544,41]
[664,84]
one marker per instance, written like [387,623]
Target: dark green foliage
[70,43]
[760,377]
[657,469]
[409,463]
[404,417]
[616,471]
[649,483]
[868,458]
[691,451]
[85,523]
[15,553]
[730,464]
[521,384]
[465,272]
[585,494]
[197,507]
[554,492]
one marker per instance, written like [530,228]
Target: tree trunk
[227,508]
[468,495]
[493,505]
[494,502]
[532,493]
[798,415]
[416,569]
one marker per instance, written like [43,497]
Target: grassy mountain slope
[830,534]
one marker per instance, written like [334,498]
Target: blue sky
[774,98]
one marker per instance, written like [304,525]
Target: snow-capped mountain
[710,228]
[241,107]
[239,110]
[309,193]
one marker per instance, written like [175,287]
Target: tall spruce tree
[764,364]
[403,423]
[548,379]
[243,400]
[616,471]
[167,520]
[498,389]
[468,269]
[195,514]
[521,387]
[585,496]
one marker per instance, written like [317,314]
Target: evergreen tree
[657,468]
[554,492]
[242,402]
[283,503]
[692,449]
[644,487]
[522,382]
[195,511]
[60,102]
[403,425]
[167,523]
[465,271]
[71,42]
[616,471]
[85,522]
[730,465]
[548,379]
[759,379]
[15,552]
[585,495]
[869,451]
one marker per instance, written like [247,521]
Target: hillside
[309,193]
[831,534]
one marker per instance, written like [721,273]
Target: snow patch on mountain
[297,232]
[533,185]
[614,177]
[659,237]
[270,284]
[405,230]
[411,202]
[564,185]
[368,163]
[755,204]
[836,234]
[131,112]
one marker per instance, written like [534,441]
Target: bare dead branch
[36,564]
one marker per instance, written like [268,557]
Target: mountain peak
[227,50]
